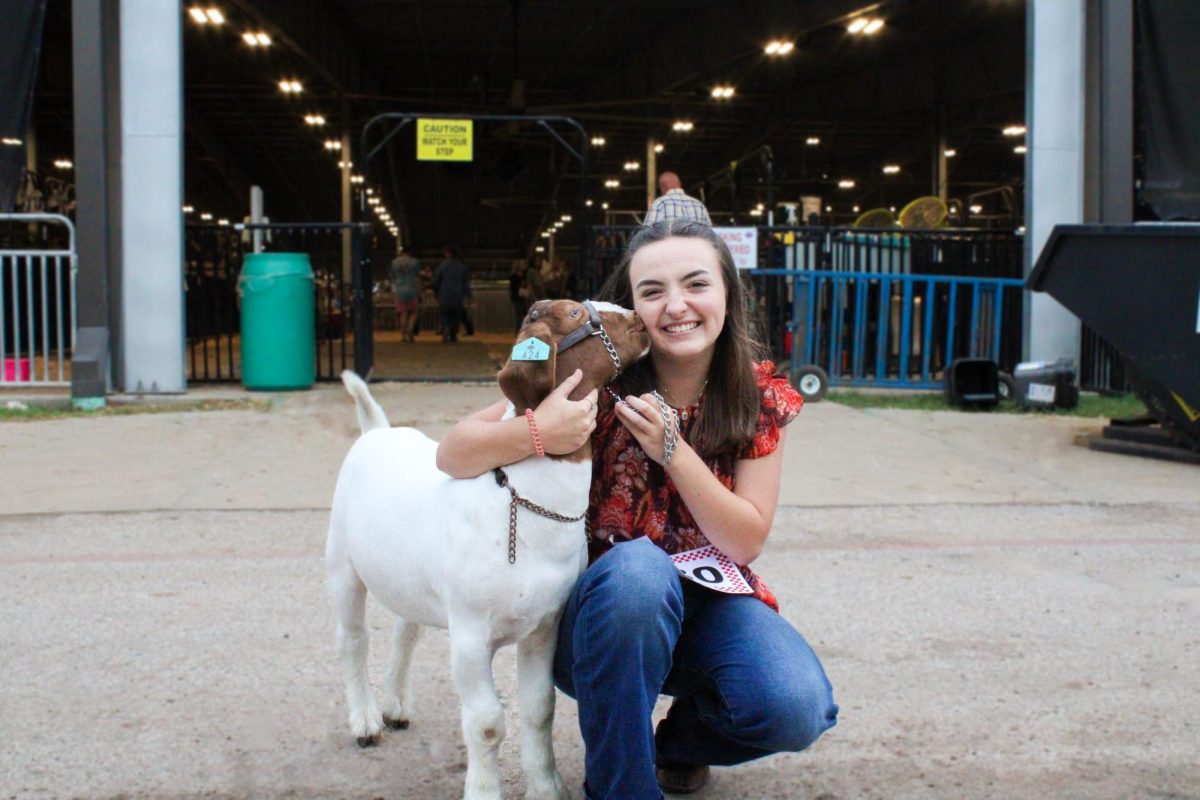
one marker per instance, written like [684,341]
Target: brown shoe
[681,778]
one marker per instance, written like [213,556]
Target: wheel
[1007,388]
[811,381]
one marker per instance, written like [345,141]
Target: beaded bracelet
[535,433]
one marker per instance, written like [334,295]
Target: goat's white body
[434,550]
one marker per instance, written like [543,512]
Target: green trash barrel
[278,321]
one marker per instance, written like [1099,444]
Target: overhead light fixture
[891,169]
[632,166]
[813,140]
[722,92]
[865,26]
[658,148]
[370,190]
[222,221]
[545,234]
[566,217]
[756,212]
[612,183]
[63,163]
[779,47]
[828,209]
[188,209]
[11,141]
[599,141]
[1014,130]
[315,120]
[198,15]
[345,165]
[333,144]
[290,86]
[256,39]
[539,249]
[207,217]
[854,209]
[206,16]
[1020,150]
[683,125]
[216,18]
[357,179]
[604,206]
[373,201]
[845,183]
[587,203]
[949,152]
[976,209]
[892,209]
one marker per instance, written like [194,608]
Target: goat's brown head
[526,383]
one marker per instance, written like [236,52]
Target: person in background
[406,285]
[745,683]
[674,203]
[452,284]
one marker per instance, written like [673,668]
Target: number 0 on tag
[709,567]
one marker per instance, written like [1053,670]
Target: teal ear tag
[532,349]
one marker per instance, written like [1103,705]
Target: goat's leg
[471,652]
[535,695]
[350,601]
[397,706]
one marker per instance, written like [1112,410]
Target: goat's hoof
[368,741]
[395,724]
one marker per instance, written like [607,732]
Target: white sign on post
[743,244]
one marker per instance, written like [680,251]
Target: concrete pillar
[1054,164]
[152,312]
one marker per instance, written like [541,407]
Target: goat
[439,552]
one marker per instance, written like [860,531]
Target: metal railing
[901,331]
[38,269]
[213,260]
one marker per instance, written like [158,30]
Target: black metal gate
[213,259]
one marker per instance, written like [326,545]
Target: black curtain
[20,43]
[1167,106]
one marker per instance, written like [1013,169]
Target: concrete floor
[1003,614]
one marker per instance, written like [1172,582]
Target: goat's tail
[370,414]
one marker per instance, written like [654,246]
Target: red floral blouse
[632,495]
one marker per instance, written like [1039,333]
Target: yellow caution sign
[445,139]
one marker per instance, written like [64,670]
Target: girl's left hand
[643,417]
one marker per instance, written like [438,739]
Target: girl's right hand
[566,424]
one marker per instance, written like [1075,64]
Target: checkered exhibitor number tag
[709,567]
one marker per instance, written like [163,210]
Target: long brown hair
[729,414]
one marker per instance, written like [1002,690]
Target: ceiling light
[566,217]
[857,25]
[63,163]
[658,148]
[316,120]
[1014,130]
[892,209]
[854,209]
[256,39]
[845,183]
[682,125]
[612,183]
[198,15]
[949,152]
[632,166]
[813,140]
[357,179]
[756,212]
[216,18]
[370,190]
[723,92]
[604,206]
[873,26]
[1019,149]
[829,208]
[373,201]
[207,217]
[345,165]
[777,47]
[289,86]
[891,169]
[539,249]
[587,203]
[222,221]
[599,141]
[263,39]
[545,235]
[333,144]
[188,209]
[11,142]
[976,209]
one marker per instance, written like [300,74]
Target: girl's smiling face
[680,295]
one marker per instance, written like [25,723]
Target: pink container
[14,367]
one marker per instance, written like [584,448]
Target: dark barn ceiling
[623,70]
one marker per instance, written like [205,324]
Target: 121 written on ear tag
[532,349]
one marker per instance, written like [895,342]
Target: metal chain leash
[670,428]
[612,351]
[515,500]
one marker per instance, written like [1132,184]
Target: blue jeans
[745,682]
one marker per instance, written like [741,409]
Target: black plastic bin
[973,383]
[1138,287]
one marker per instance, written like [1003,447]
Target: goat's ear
[526,383]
